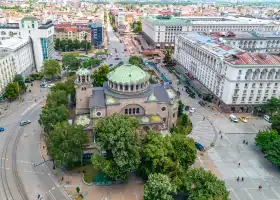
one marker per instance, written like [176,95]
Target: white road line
[52,194]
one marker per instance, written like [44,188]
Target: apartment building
[162,30]
[96,33]
[239,81]
[255,41]
[72,33]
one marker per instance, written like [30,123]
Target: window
[174,115]
[131,88]
[254,84]
[252,91]
[266,91]
[250,99]
[246,84]
[126,87]
[133,110]
[274,91]
[163,109]
[259,91]
[237,85]
[130,111]
[137,110]
[276,84]
[264,98]
[243,99]
[268,85]
[121,87]
[126,111]
[261,84]
[137,86]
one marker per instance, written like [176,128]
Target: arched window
[137,110]
[126,111]
[133,110]
[130,111]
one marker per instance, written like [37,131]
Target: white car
[23,123]
[233,118]
[266,118]
[50,85]
[192,110]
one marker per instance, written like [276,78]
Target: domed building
[129,92]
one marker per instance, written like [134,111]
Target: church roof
[128,74]
[83,72]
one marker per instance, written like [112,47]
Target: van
[233,118]
[266,118]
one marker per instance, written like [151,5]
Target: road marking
[52,194]
[33,105]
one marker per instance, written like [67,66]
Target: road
[19,150]
[115,48]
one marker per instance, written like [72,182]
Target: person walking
[260,187]
[221,137]
[238,164]
[242,179]
[247,143]
[243,141]
[237,178]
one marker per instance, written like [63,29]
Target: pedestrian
[260,187]
[238,164]
[243,141]
[62,178]
[242,179]
[221,137]
[237,178]
[247,143]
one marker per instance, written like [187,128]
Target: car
[192,110]
[43,85]
[192,95]
[266,118]
[25,122]
[202,103]
[2,129]
[243,119]
[233,118]
[199,146]
[187,108]
[117,58]
[50,85]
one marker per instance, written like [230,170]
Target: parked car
[43,85]
[2,129]
[25,122]
[233,118]
[266,118]
[243,119]
[202,103]
[187,108]
[199,146]
[192,95]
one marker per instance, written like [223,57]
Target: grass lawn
[89,172]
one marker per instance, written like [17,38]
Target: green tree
[136,60]
[68,86]
[51,68]
[65,143]
[116,134]
[57,98]
[264,139]
[272,106]
[167,56]
[91,62]
[12,90]
[50,116]
[273,152]
[19,79]
[70,62]
[137,27]
[158,187]
[76,44]
[57,44]
[199,184]
[275,120]
[180,108]
[99,76]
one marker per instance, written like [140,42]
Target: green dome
[82,72]
[128,74]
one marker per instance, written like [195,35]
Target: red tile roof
[254,59]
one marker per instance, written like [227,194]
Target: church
[127,91]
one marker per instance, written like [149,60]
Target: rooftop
[13,43]
[238,35]
[227,53]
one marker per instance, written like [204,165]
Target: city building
[22,54]
[7,71]
[261,42]
[161,30]
[96,33]
[129,92]
[239,81]
[72,33]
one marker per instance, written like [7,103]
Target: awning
[167,45]
[172,45]
[158,45]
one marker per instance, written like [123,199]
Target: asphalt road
[19,150]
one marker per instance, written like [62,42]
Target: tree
[90,63]
[19,79]
[57,44]
[99,76]
[275,120]
[68,86]
[12,90]
[203,185]
[180,108]
[50,116]
[273,152]
[137,27]
[76,44]
[65,143]
[272,106]
[57,98]
[158,187]
[51,68]
[116,135]
[264,139]
[70,62]
[136,60]
[167,56]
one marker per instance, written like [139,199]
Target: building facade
[73,33]
[96,34]
[161,30]
[21,51]
[7,71]
[129,92]
[239,81]
[255,41]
